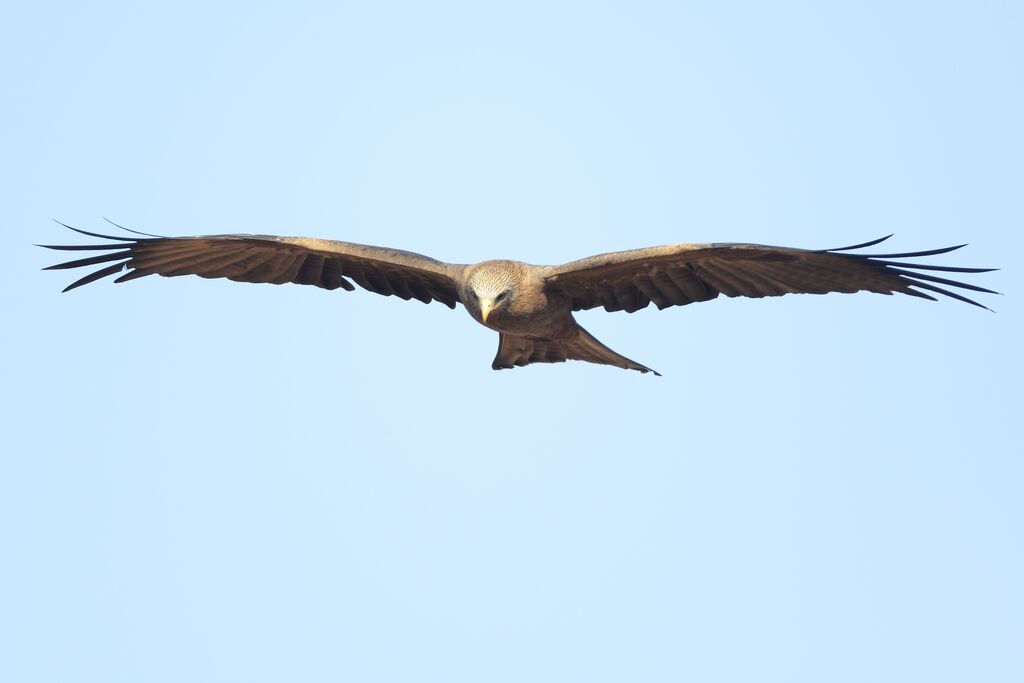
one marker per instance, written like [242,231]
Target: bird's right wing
[265,258]
[680,274]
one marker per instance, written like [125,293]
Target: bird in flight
[530,306]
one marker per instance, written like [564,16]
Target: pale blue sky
[208,481]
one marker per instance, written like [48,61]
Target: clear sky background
[208,481]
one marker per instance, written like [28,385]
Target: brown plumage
[530,306]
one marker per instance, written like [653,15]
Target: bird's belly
[551,322]
[519,325]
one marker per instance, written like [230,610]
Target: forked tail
[515,350]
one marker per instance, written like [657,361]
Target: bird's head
[491,289]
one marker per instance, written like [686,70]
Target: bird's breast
[537,314]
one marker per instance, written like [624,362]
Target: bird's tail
[516,350]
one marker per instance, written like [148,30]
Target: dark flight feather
[616,281]
[268,259]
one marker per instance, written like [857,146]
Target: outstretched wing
[680,274]
[265,258]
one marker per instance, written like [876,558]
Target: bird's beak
[486,306]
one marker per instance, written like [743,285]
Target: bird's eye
[501,296]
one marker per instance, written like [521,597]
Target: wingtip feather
[137,232]
[96,234]
[864,244]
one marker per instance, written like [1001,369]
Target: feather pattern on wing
[680,274]
[265,258]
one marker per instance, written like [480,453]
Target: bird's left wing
[265,258]
[680,274]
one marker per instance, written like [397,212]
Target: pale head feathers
[491,278]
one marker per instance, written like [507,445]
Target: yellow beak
[486,306]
